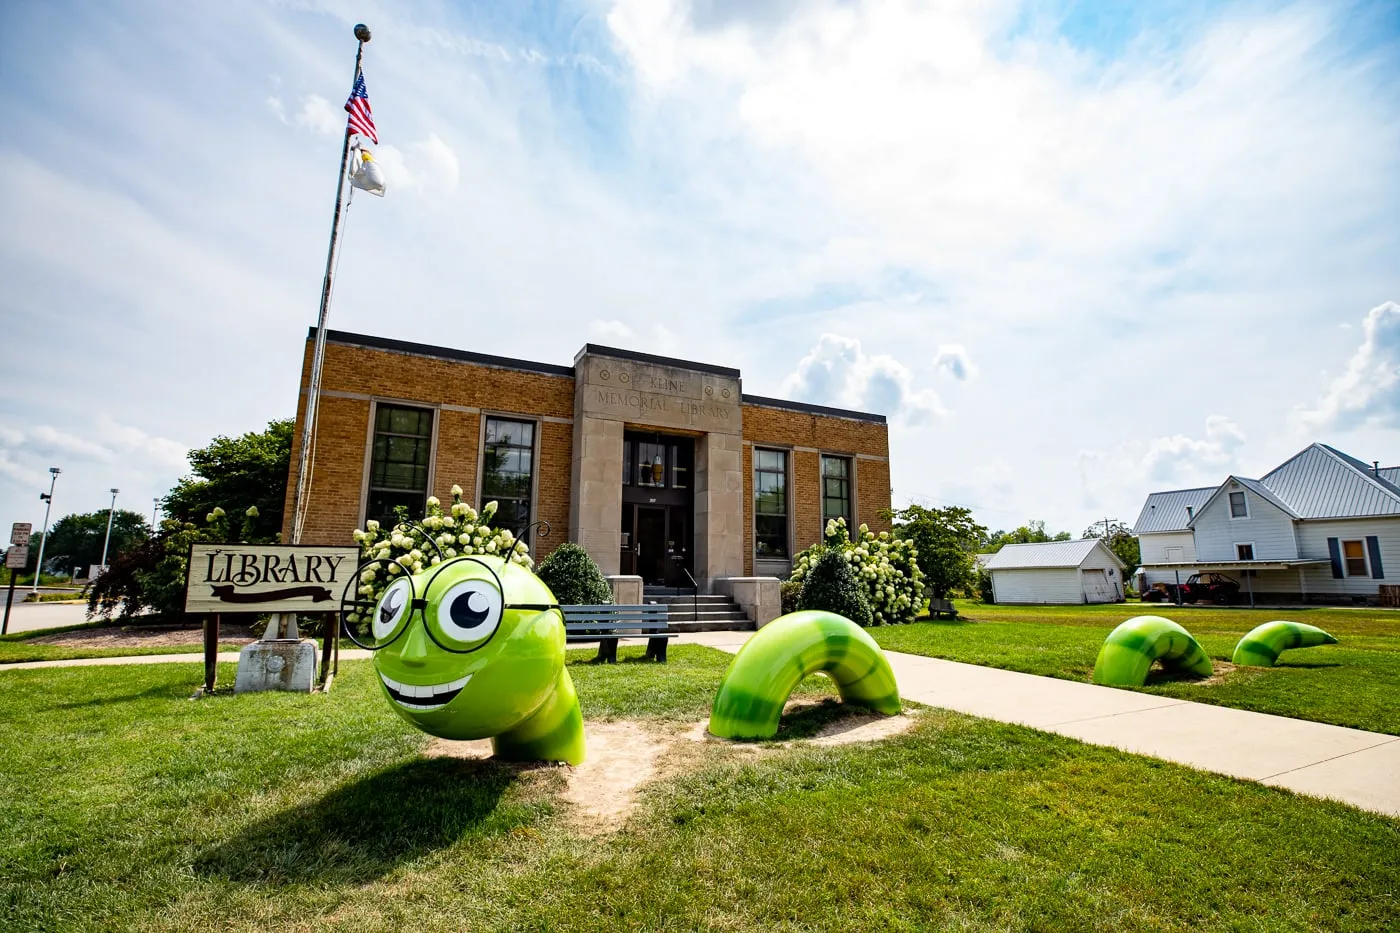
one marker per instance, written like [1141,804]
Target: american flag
[361,120]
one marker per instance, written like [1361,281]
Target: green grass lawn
[1354,683]
[130,807]
[27,646]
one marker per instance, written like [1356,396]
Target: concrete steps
[690,613]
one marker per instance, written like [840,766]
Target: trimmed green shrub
[831,585]
[886,567]
[574,578]
[790,591]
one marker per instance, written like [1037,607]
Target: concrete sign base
[280,664]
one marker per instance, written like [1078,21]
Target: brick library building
[660,468]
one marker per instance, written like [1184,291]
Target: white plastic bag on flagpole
[365,173]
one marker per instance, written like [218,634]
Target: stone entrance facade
[613,392]
[656,466]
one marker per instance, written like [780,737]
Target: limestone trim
[337,393]
[374,403]
[555,419]
[537,437]
[464,409]
[876,458]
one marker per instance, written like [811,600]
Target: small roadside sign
[19,533]
[17,556]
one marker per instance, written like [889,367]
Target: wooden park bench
[606,624]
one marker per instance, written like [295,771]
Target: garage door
[1097,589]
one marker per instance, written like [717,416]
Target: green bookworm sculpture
[1264,643]
[473,648]
[783,652]
[1129,650]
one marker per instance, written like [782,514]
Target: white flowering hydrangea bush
[457,530]
[887,566]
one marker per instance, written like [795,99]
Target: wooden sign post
[226,579]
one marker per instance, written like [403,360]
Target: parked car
[1198,588]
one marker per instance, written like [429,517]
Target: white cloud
[1122,477]
[838,372]
[47,439]
[609,330]
[318,115]
[428,166]
[953,359]
[1368,390]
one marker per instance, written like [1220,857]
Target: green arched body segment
[505,680]
[783,652]
[1129,650]
[1264,643]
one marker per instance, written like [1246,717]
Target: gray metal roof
[1166,511]
[1045,555]
[1263,492]
[1391,475]
[1323,482]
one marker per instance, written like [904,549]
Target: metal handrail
[695,594]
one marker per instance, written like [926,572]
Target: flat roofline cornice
[808,409]
[654,360]
[441,353]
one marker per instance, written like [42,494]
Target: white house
[1322,524]
[1083,571]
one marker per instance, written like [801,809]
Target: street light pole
[155,509]
[39,568]
[111,511]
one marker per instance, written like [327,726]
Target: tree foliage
[946,540]
[235,473]
[1121,541]
[831,585]
[1033,532]
[151,575]
[574,578]
[76,540]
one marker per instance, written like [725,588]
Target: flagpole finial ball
[362,32]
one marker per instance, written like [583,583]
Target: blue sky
[1077,252]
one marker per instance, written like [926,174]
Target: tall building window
[398,468]
[507,471]
[770,504]
[836,490]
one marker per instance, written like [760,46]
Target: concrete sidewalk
[1355,767]
[1349,765]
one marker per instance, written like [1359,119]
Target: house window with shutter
[1354,557]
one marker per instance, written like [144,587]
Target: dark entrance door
[658,506]
[650,547]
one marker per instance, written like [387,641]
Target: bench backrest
[597,618]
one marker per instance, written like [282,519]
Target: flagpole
[318,353]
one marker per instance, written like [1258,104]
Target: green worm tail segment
[779,655]
[1264,643]
[1129,650]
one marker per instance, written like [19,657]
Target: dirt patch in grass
[137,636]
[625,755]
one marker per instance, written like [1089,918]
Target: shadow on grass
[806,721]
[360,831]
[161,691]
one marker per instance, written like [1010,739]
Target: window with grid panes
[398,470]
[508,470]
[770,505]
[836,490]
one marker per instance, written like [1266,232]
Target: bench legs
[607,650]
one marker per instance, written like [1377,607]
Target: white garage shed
[1065,572]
